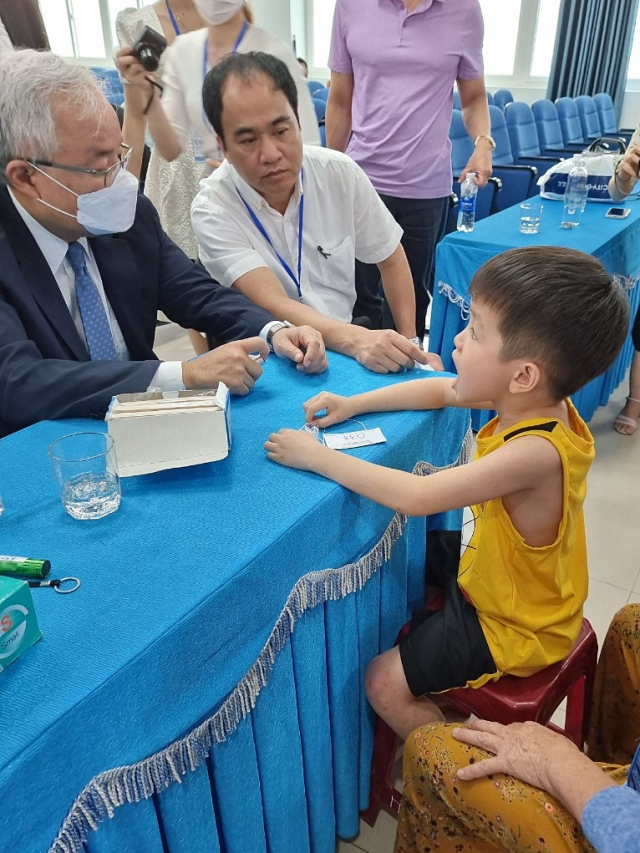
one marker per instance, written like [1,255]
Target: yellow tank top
[529,600]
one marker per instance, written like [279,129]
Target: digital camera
[148,48]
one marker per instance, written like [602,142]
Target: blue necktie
[94,317]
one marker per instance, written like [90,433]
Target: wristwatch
[281,324]
[489,139]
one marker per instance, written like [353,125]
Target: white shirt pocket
[337,265]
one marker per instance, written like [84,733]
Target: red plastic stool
[508,700]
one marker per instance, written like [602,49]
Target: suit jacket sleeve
[45,372]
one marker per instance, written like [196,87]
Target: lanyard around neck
[172,17]
[297,281]
[205,62]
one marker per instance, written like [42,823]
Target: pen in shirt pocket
[323,253]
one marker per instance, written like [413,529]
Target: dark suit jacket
[45,371]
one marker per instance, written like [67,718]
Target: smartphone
[618,212]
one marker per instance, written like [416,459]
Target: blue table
[176,660]
[459,255]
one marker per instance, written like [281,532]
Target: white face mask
[217,11]
[109,210]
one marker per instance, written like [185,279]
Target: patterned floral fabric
[498,813]
[615,714]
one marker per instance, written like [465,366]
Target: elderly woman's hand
[523,750]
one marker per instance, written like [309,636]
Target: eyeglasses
[109,174]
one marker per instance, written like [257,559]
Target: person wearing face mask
[85,265]
[179,115]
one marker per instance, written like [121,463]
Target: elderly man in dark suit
[85,265]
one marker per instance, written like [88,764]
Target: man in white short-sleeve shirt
[283,223]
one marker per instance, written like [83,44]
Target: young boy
[544,321]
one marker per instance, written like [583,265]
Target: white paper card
[345,440]
[422,366]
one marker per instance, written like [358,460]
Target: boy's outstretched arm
[522,466]
[418,394]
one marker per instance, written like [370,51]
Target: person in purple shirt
[393,66]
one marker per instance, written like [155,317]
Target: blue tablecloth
[616,243]
[177,655]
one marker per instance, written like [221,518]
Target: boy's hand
[293,448]
[338,409]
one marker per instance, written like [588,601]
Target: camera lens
[149,57]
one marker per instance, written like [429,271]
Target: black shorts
[445,648]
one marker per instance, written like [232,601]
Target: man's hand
[385,351]
[523,750]
[337,409]
[231,364]
[480,163]
[303,345]
[293,449]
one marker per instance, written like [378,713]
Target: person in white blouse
[283,223]
[179,115]
[171,187]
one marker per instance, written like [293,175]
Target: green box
[18,624]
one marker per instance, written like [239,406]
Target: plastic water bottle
[468,194]
[575,194]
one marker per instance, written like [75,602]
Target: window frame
[110,45]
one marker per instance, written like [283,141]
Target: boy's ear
[526,378]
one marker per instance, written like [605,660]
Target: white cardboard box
[157,430]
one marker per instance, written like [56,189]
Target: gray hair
[31,81]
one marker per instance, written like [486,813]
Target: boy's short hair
[248,67]
[556,306]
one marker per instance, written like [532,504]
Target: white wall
[283,18]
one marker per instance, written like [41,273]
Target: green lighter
[24,567]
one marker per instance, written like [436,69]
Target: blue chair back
[113,89]
[548,125]
[320,107]
[502,154]
[323,135]
[521,126]
[489,98]
[323,94]
[589,118]
[606,112]
[461,143]
[456,100]
[502,97]
[569,121]
[314,85]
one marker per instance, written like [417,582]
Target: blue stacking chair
[502,97]
[518,179]
[456,100]
[314,85]
[113,91]
[607,114]
[518,182]
[570,124]
[323,94]
[589,118]
[489,98]
[549,130]
[523,136]
[320,107]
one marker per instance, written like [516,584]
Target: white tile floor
[612,534]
